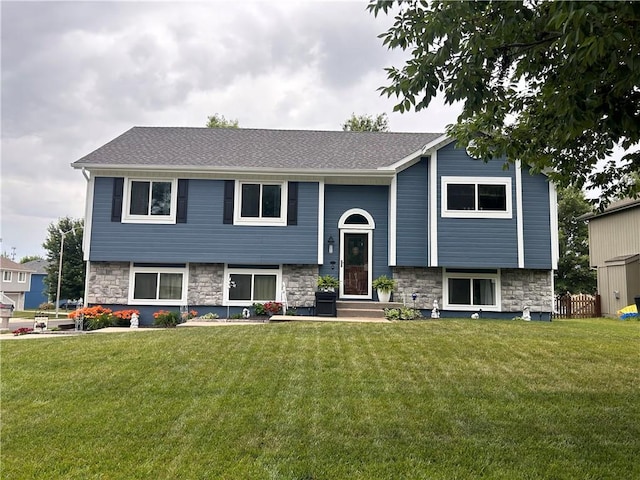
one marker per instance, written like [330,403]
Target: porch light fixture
[331,242]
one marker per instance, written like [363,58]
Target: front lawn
[439,399]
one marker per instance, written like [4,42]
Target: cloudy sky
[77,74]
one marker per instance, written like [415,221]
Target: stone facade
[426,282]
[301,282]
[108,283]
[530,288]
[519,288]
[205,284]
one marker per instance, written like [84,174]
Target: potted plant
[384,286]
[327,283]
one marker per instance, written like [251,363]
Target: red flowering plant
[273,308]
[22,331]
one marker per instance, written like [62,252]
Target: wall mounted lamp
[331,242]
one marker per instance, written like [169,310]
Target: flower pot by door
[384,297]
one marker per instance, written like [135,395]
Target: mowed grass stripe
[430,399]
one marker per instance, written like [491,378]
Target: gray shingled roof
[253,148]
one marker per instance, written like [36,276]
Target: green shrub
[164,318]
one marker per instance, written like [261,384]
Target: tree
[30,258]
[574,274]
[366,123]
[553,84]
[218,121]
[73,267]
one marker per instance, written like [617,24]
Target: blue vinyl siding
[375,200]
[536,221]
[412,220]
[475,242]
[204,238]
[36,296]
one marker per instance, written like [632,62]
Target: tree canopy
[30,258]
[218,121]
[73,268]
[574,273]
[554,84]
[366,123]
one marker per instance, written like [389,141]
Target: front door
[355,259]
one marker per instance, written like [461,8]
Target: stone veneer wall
[108,283]
[530,288]
[426,282]
[301,282]
[205,284]
[520,288]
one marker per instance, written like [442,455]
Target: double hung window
[7,276]
[157,284]
[22,277]
[472,289]
[262,203]
[467,197]
[246,284]
[152,201]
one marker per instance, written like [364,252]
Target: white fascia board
[553,220]
[320,223]
[433,211]
[88,219]
[234,172]
[519,214]
[427,149]
[393,212]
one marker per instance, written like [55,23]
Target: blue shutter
[292,204]
[116,200]
[229,186]
[183,193]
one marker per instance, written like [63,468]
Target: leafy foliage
[164,318]
[574,274]
[366,123]
[218,121]
[73,267]
[553,84]
[30,258]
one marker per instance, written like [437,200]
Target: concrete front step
[350,309]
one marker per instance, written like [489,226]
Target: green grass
[445,399]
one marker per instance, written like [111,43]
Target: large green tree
[554,84]
[574,273]
[218,121]
[73,267]
[366,123]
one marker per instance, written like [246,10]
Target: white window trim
[142,301]
[155,219]
[7,276]
[249,271]
[265,222]
[23,276]
[506,181]
[495,277]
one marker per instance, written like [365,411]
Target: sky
[77,74]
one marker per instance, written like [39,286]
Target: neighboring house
[175,216]
[16,281]
[614,250]
[36,295]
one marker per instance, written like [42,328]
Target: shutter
[116,200]
[183,193]
[229,186]
[292,204]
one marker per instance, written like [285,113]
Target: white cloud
[77,74]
